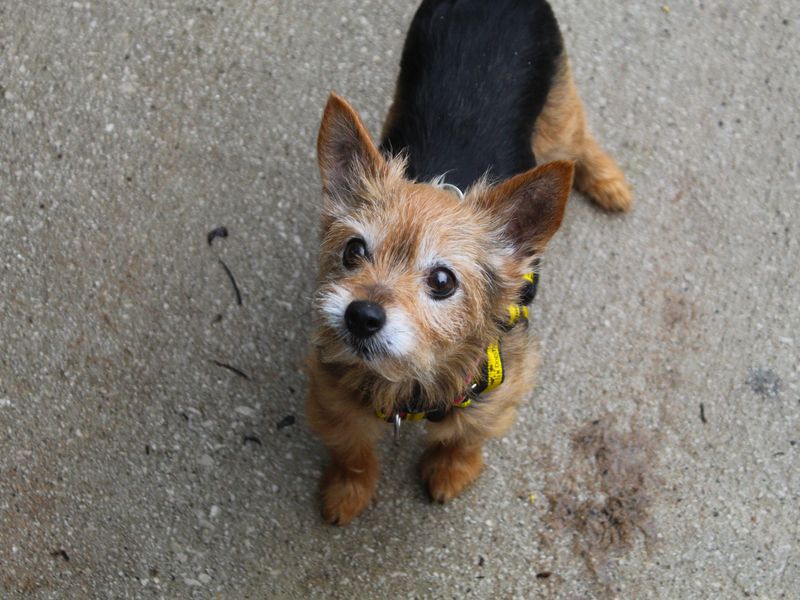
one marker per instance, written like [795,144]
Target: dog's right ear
[531,205]
[345,151]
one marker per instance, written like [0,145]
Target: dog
[431,242]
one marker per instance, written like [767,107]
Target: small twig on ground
[219,232]
[232,369]
[233,282]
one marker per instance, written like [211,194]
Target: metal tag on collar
[397,421]
[452,188]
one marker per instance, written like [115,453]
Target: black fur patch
[474,76]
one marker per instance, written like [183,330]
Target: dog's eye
[354,252]
[442,283]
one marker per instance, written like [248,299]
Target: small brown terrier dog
[423,290]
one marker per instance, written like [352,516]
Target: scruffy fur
[386,197]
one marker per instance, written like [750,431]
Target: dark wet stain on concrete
[605,496]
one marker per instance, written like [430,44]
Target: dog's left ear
[344,148]
[531,205]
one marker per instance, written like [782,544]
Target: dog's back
[474,76]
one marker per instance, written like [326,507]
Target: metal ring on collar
[452,188]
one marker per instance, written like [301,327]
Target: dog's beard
[372,355]
[392,353]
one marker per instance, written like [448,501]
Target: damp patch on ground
[603,498]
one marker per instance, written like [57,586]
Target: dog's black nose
[364,319]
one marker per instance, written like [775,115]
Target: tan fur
[489,239]
[350,431]
[561,133]
[447,469]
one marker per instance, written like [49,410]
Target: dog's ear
[345,150]
[531,205]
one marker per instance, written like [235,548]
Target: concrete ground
[660,455]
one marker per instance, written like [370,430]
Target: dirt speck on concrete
[603,499]
[764,382]
[678,310]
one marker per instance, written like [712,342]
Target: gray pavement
[132,465]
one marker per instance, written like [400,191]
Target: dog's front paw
[446,470]
[346,492]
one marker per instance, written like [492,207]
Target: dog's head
[413,279]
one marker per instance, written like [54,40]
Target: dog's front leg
[454,456]
[350,432]
[448,467]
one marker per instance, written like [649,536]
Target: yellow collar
[492,371]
